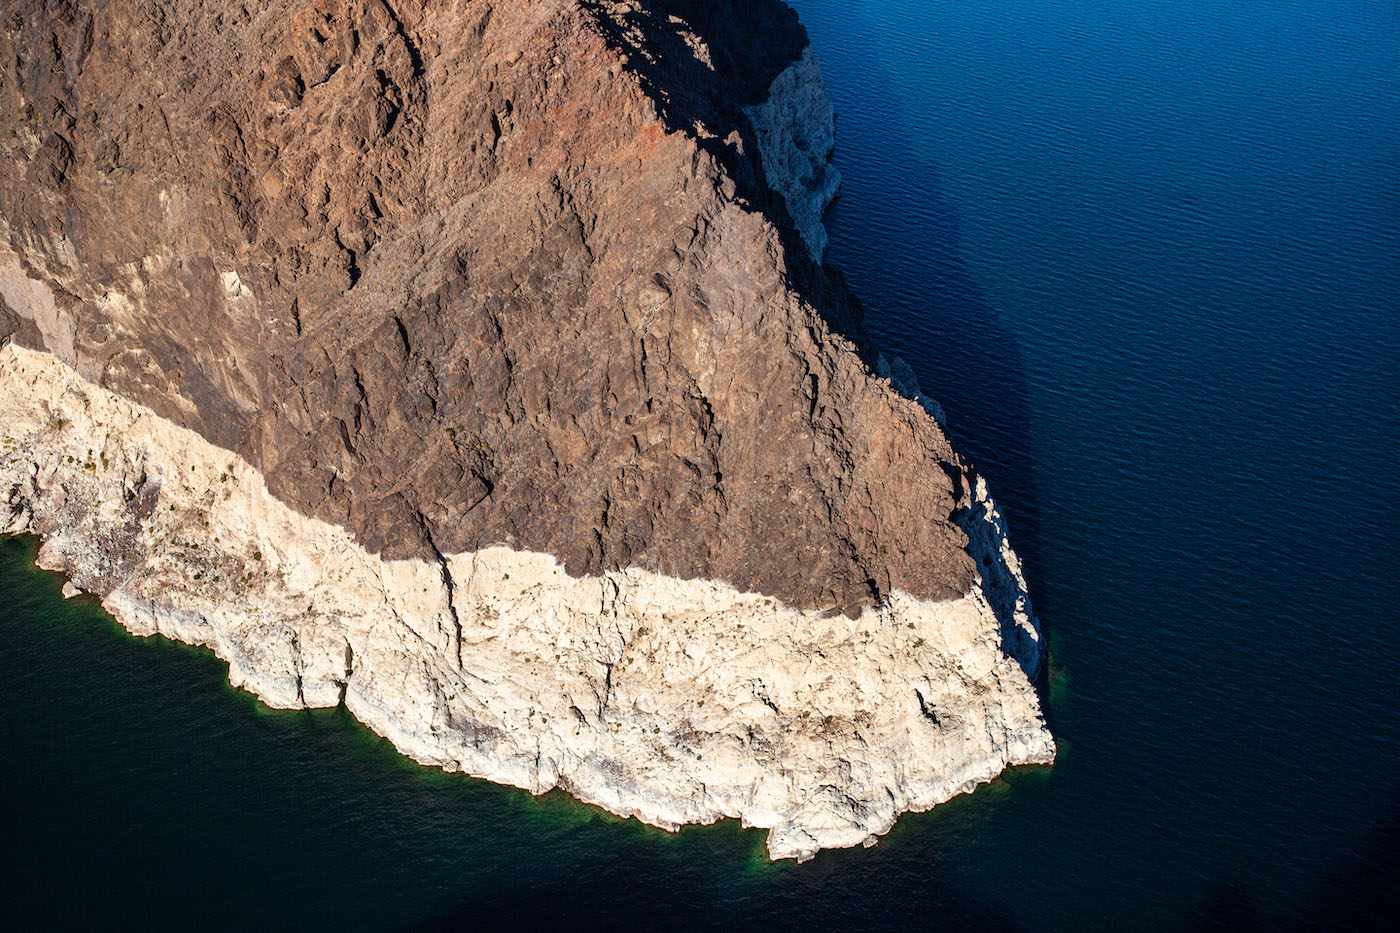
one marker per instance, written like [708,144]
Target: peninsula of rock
[474,365]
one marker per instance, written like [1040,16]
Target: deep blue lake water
[1147,254]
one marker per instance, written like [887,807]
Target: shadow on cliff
[923,303]
[915,295]
[748,43]
[898,240]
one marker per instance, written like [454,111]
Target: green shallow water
[141,788]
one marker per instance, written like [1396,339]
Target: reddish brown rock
[459,274]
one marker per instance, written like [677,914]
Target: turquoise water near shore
[1147,255]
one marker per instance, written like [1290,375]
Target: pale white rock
[675,701]
[905,381]
[796,129]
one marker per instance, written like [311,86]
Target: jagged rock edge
[673,701]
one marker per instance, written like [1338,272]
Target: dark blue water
[1148,256]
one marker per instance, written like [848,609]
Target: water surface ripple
[1147,254]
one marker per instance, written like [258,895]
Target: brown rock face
[455,274]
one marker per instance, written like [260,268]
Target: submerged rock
[474,365]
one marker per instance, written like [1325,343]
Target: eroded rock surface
[491,346]
[796,130]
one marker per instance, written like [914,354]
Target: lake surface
[1147,254]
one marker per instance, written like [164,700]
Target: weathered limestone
[670,700]
[796,129]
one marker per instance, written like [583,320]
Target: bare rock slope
[474,365]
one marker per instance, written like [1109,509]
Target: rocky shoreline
[673,657]
[672,701]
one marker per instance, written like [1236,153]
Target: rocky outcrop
[474,365]
[671,700]
[796,130]
[453,275]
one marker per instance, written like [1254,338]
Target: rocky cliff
[474,365]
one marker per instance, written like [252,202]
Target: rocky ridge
[546,444]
